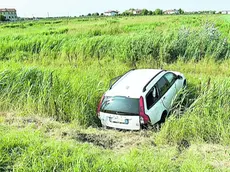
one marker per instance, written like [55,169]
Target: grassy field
[53,73]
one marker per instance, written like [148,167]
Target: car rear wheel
[157,126]
[185,83]
[163,117]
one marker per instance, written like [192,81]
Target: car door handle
[163,98]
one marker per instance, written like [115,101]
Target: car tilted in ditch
[138,98]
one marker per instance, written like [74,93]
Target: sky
[52,8]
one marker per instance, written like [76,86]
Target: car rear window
[120,105]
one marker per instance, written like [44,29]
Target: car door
[154,106]
[179,83]
[167,89]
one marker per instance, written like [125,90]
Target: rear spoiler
[114,80]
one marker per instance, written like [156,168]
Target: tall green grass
[62,72]
[205,120]
[70,94]
[167,47]
[161,39]
[64,94]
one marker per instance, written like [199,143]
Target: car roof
[132,83]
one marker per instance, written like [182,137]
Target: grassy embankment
[59,69]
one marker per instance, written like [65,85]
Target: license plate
[118,120]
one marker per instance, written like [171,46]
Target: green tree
[144,12]
[213,12]
[89,14]
[127,13]
[158,11]
[2,18]
[95,14]
[181,11]
[150,12]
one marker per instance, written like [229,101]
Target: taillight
[99,105]
[142,111]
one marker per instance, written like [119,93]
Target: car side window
[151,97]
[163,86]
[171,77]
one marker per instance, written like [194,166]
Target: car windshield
[120,105]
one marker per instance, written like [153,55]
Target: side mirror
[179,77]
[154,92]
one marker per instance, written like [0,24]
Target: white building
[111,13]
[135,11]
[225,12]
[171,12]
[9,13]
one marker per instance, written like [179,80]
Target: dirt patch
[3,114]
[101,140]
[104,138]
[182,145]
[111,139]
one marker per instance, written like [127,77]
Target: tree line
[129,12]
[145,12]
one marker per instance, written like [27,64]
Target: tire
[163,117]
[185,84]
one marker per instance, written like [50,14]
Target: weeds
[110,38]
[61,72]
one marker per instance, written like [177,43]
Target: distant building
[9,13]
[111,13]
[171,11]
[135,11]
[225,12]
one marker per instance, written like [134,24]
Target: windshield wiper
[120,113]
[105,103]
